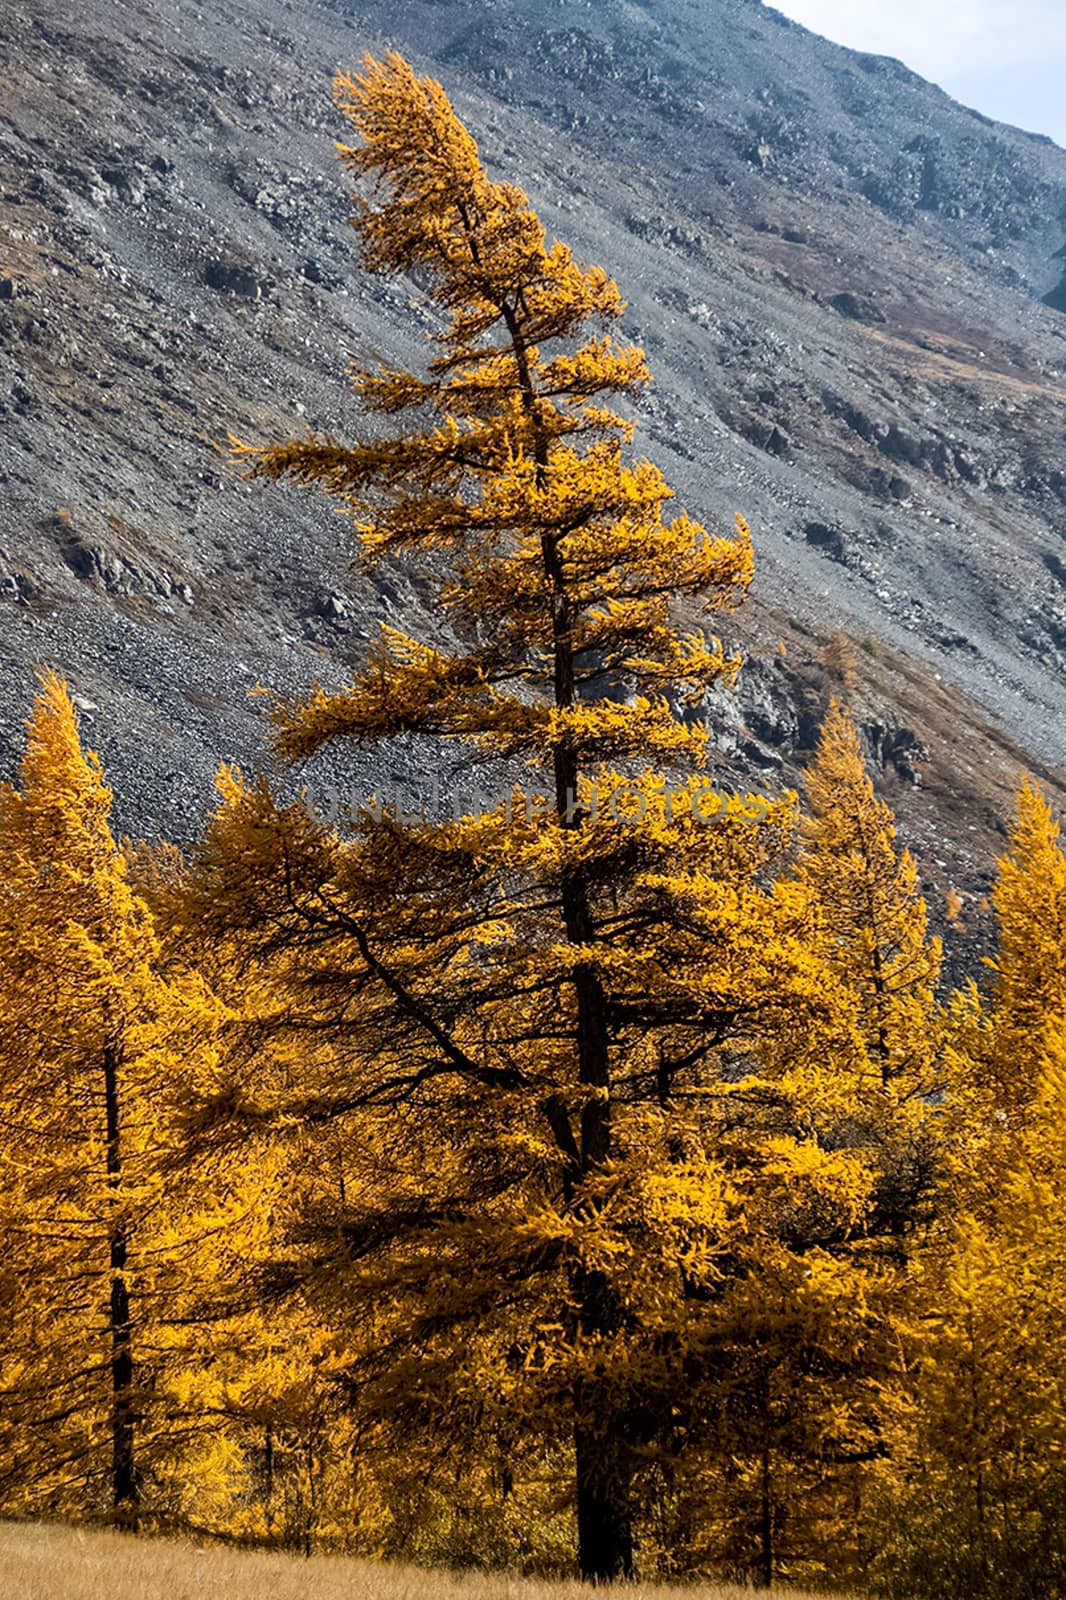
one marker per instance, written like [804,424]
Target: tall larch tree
[871,926]
[579,1041]
[978,1486]
[1028,988]
[995,1041]
[95,1049]
[976,1500]
[874,918]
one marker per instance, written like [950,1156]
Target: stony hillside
[852,291]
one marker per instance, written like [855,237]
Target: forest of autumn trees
[599,1177]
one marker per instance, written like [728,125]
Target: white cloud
[971,48]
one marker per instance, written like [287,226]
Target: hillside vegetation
[593,1168]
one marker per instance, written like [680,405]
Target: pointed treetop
[870,903]
[54,761]
[1030,904]
[438,209]
[63,788]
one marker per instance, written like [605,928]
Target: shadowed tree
[94,1048]
[980,1487]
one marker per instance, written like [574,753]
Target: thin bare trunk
[125,1494]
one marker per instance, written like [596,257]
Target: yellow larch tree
[870,924]
[995,1040]
[583,1067]
[874,924]
[1028,989]
[978,1489]
[97,1051]
[977,1504]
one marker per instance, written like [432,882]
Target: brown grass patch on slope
[39,1562]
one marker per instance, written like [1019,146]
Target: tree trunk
[124,1490]
[604,1520]
[766,1525]
[268,1479]
[602,1459]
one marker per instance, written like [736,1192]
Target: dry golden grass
[43,1562]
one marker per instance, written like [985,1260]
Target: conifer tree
[873,916]
[996,1036]
[1028,991]
[579,1043]
[978,1483]
[94,1048]
[978,1495]
[871,926]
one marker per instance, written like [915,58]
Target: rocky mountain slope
[852,291]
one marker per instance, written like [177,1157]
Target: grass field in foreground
[46,1562]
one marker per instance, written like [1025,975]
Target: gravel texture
[851,289]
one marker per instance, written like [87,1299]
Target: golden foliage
[873,917]
[97,1051]
[608,1061]
[590,1170]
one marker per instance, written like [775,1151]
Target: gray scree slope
[852,291]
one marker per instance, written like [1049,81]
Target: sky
[1006,58]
